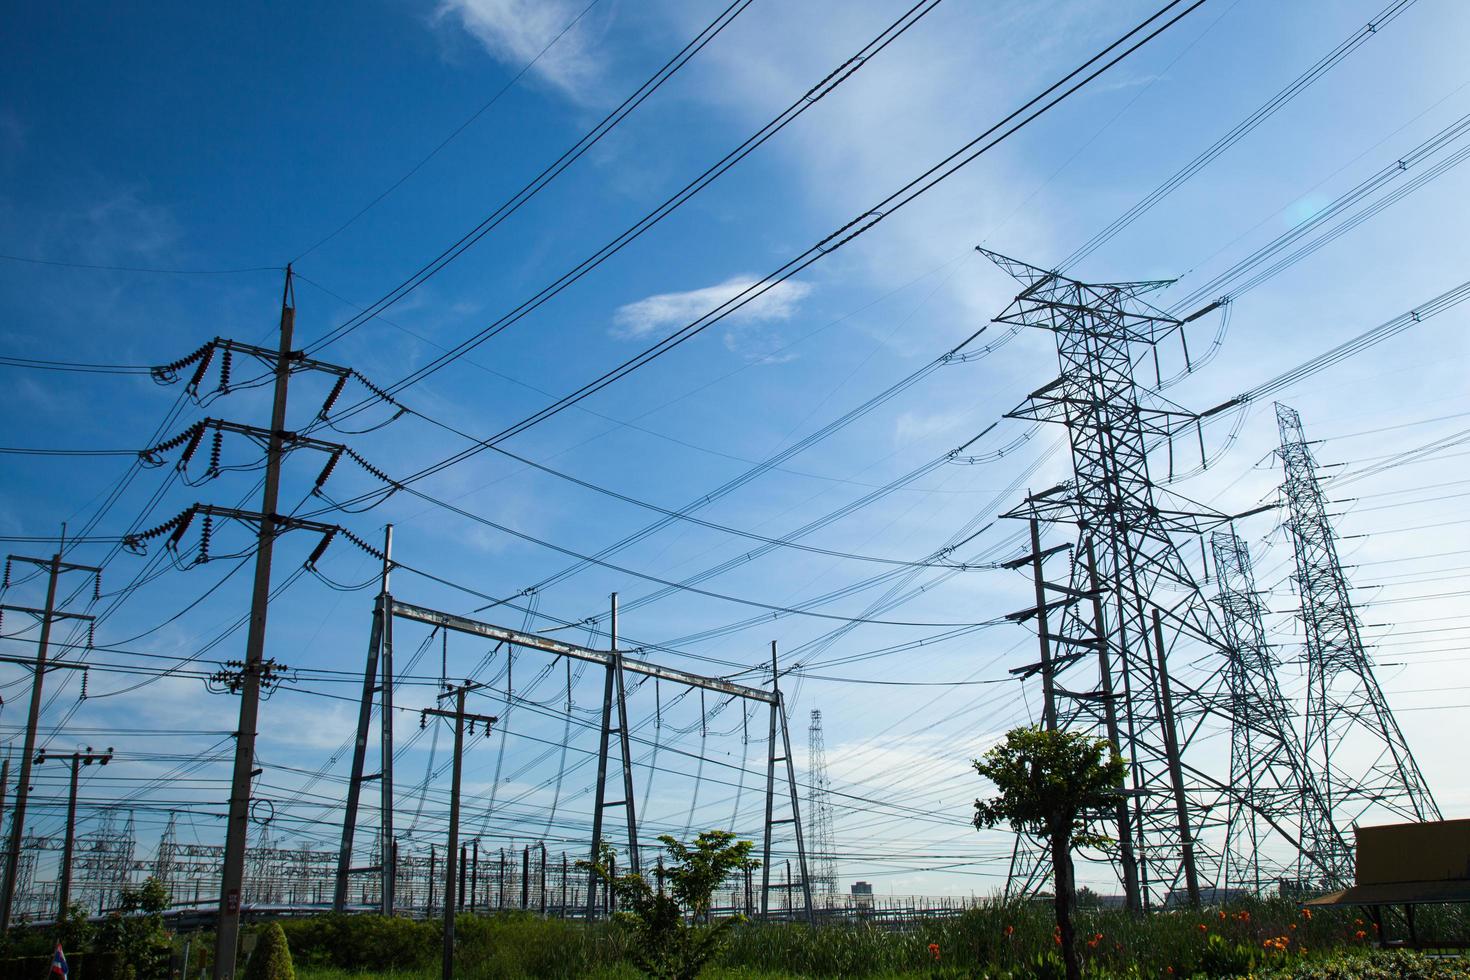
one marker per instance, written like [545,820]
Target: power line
[450,138]
[512,204]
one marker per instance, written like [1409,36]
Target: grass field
[1260,939]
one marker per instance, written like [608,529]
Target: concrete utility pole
[451,853]
[237,828]
[77,760]
[55,566]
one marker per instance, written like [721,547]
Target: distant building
[862,894]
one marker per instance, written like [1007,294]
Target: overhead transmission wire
[1340,208]
[512,204]
[906,194]
[423,161]
[139,268]
[1263,112]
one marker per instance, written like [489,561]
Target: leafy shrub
[136,935]
[272,957]
[1373,965]
[363,941]
[664,944]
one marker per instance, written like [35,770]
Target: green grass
[1261,939]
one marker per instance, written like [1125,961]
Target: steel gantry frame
[1347,716]
[1108,630]
[617,666]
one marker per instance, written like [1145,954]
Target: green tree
[74,931]
[673,938]
[272,957]
[135,932]
[1048,782]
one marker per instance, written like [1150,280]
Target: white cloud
[656,312]
[517,31]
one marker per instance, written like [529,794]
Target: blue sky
[219,138]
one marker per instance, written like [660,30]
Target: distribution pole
[451,852]
[237,828]
[77,760]
[55,566]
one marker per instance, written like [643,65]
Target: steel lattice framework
[1274,789]
[1347,717]
[821,843]
[1131,597]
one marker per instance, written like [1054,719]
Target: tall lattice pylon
[1351,741]
[1118,636]
[821,843]
[1274,788]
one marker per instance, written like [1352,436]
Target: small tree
[74,931]
[272,957]
[135,932]
[666,946]
[1048,781]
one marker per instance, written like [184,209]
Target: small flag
[58,963]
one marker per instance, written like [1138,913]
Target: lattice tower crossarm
[1347,717]
[1130,613]
[1272,787]
[821,844]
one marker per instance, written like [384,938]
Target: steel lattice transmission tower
[819,805]
[1347,718]
[1115,634]
[1272,783]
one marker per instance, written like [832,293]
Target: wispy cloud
[517,32]
[640,318]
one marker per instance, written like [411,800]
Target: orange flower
[1360,934]
[1243,916]
[1008,931]
[1221,914]
[1293,927]
[1092,943]
[1169,970]
[1056,937]
[934,951]
[1202,927]
[1307,914]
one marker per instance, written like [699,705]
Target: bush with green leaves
[672,935]
[363,941]
[272,957]
[135,932]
